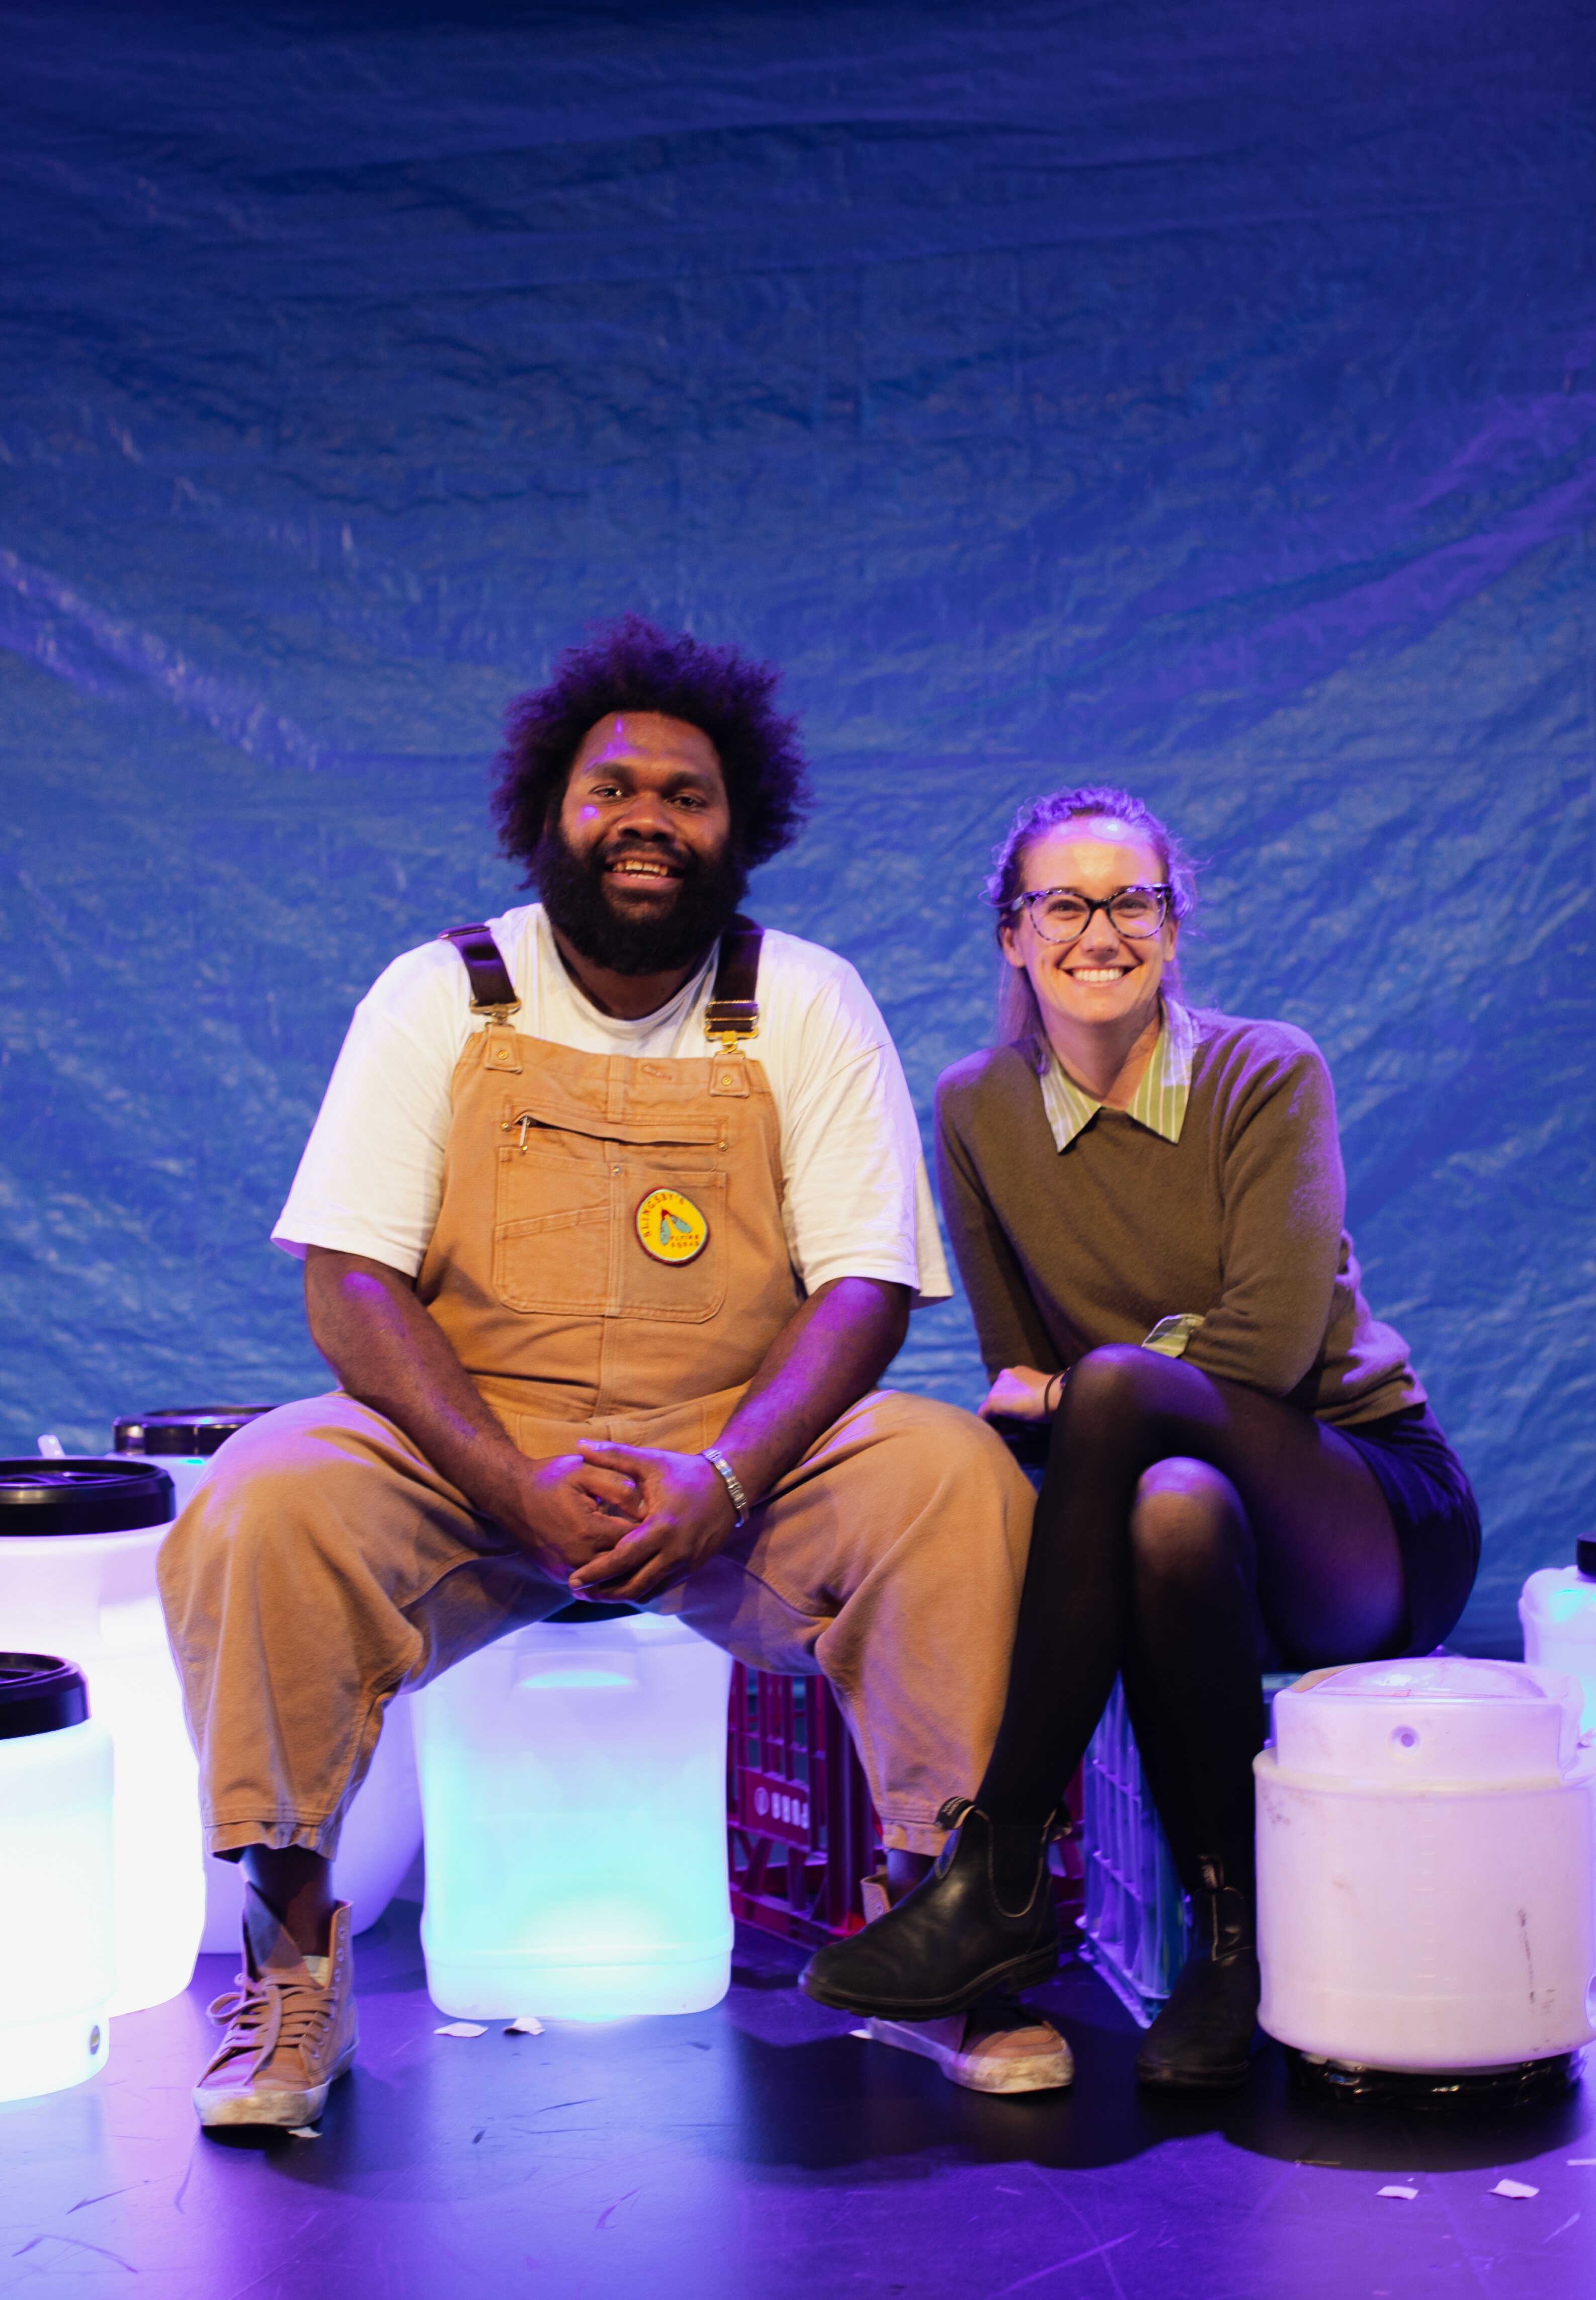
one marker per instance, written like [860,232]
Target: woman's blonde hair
[1019,1018]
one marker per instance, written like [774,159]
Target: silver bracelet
[733,1484]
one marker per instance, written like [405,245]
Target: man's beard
[575,895]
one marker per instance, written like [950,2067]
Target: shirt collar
[625,1032]
[1159,1103]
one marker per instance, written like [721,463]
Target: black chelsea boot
[951,1940]
[1202,2039]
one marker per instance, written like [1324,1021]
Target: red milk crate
[801,1828]
[802,1831]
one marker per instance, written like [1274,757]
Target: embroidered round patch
[670,1226]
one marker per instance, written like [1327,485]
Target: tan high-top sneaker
[290,2026]
[995,2048]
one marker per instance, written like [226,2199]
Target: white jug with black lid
[78,1541]
[57,1926]
[382,1829]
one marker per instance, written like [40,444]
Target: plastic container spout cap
[1584,1556]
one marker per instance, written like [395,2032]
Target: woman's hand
[1019,1393]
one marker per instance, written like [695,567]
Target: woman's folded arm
[1285,1202]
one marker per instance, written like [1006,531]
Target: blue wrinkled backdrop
[1198,393]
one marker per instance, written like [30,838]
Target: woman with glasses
[1242,1474]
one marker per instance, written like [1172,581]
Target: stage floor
[760,2151]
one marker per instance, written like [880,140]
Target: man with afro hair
[612,1221]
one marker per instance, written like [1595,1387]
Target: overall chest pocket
[565,1237]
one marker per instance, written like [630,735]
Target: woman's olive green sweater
[1240,1221]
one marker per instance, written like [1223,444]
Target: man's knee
[1186,1517]
[281,1481]
[930,1448]
[287,1442]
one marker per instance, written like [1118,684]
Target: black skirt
[1436,1516]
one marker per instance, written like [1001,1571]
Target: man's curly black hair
[632,665]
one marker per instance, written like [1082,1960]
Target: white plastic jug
[90,1594]
[58,1932]
[573,1782]
[1426,1841]
[382,1830]
[380,1838]
[1558,1609]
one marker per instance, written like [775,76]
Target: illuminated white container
[58,1965]
[382,1830]
[93,1597]
[381,1837]
[573,1784]
[1426,1885]
[1558,1609]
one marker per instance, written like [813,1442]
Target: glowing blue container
[573,1785]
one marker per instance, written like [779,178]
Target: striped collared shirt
[1159,1103]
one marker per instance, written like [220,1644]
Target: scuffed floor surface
[761,2150]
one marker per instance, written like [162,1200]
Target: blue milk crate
[1137,1925]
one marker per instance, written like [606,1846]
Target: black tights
[1189,1531]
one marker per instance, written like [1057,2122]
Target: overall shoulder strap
[492,992]
[733,1013]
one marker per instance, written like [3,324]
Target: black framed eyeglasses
[1059,914]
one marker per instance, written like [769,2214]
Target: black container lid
[39,1694]
[1584,1556]
[96,1497]
[188,1430]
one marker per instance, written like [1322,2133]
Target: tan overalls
[325,1564]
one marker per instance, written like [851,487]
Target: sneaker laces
[260,2015]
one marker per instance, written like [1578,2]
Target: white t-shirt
[857,1204]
